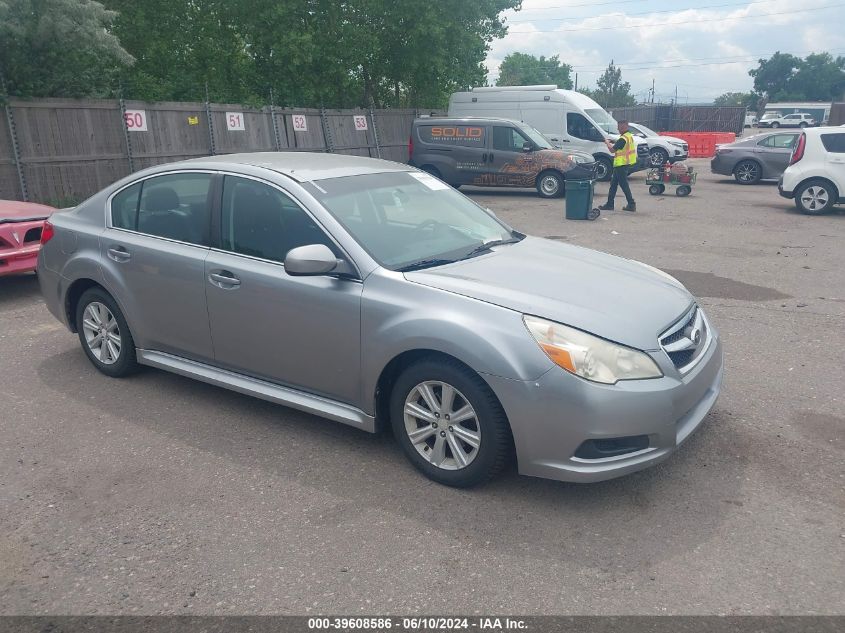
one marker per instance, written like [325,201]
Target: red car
[21,224]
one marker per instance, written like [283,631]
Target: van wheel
[604,168]
[550,184]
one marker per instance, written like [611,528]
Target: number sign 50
[135,120]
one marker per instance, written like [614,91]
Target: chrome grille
[687,340]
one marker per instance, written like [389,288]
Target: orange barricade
[702,144]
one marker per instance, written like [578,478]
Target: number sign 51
[235,121]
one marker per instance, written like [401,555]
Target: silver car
[375,295]
[759,157]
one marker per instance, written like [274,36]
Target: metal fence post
[126,135]
[327,134]
[10,120]
[375,132]
[210,124]
[276,137]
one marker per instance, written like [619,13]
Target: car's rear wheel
[104,334]
[550,184]
[748,172]
[449,423]
[802,125]
[815,197]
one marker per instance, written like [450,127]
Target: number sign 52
[135,120]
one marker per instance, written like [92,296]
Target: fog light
[611,447]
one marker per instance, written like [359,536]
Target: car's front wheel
[775,124]
[658,157]
[604,169]
[104,334]
[550,184]
[815,197]
[449,423]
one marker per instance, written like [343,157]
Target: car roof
[300,166]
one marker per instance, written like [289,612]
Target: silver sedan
[375,295]
[759,157]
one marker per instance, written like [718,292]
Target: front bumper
[553,415]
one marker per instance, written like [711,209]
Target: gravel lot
[157,494]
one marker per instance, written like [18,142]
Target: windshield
[539,140]
[645,130]
[603,120]
[406,219]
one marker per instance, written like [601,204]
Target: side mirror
[313,259]
[527,147]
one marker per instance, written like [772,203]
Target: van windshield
[539,140]
[603,120]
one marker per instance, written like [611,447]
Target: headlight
[589,356]
[677,143]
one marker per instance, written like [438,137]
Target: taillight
[410,146]
[47,232]
[798,152]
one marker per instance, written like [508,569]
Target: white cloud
[677,48]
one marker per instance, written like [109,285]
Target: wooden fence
[61,151]
[666,118]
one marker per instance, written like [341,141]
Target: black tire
[126,362]
[748,172]
[809,195]
[550,184]
[604,168]
[496,442]
[683,190]
[775,124]
[802,125]
[654,190]
[659,155]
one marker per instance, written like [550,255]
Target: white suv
[815,177]
[800,119]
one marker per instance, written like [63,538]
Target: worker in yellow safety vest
[624,159]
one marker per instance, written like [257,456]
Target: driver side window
[578,126]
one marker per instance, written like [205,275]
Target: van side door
[458,152]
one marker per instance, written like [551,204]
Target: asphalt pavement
[158,494]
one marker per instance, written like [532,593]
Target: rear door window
[834,143]
[453,135]
[173,206]
[779,141]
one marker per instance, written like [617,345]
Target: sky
[703,48]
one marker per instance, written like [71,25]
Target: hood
[615,298]
[14,211]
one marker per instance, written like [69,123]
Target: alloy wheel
[814,198]
[657,158]
[442,425]
[747,172]
[102,333]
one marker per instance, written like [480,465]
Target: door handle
[484,157]
[224,279]
[119,254]
[491,157]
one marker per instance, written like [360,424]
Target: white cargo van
[567,118]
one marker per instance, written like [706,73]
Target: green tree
[58,48]
[521,69]
[744,99]
[820,77]
[773,75]
[611,91]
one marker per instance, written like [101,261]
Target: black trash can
[579,199]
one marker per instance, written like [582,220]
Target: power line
[643,26]
[586,4]
[710,6]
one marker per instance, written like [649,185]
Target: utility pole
[576,82]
